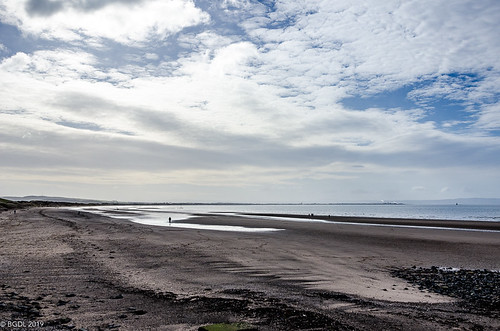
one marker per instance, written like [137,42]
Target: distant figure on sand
[170,220]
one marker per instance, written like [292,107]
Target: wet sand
[74,269]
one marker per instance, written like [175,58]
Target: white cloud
[233,4]
[489,118]
[151,56]
[128,22]
[211,96]
[363,47]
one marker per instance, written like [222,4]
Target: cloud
[126,22]
[363,48]
[244,94]
[151,56]
[4,49]
[210,104]
[50,7]
[43,7]
[489,118]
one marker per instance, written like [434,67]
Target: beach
[68,269]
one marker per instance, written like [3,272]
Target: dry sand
[71,269]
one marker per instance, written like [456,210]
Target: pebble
[61,302]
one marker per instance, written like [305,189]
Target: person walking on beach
[170,220]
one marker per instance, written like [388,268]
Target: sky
[250,101]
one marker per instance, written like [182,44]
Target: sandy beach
[68,269]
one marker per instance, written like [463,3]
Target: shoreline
[441,224]
[83,270]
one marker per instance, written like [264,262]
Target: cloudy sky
[258,101]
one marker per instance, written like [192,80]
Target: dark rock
[59,321]
[33,312]
[111,326]
[232,326]
[139,312]
[477,288]
[35,304]
[61,302]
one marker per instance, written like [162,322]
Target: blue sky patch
[445,100]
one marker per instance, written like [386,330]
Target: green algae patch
[228,327]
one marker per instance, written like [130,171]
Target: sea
[490,213]
[441,212]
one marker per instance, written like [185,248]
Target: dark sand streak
[452,224]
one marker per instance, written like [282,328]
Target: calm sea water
[447,212]
[170,215]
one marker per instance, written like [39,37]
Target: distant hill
[7,204]
[55,199]
[10,205]
[41,201]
